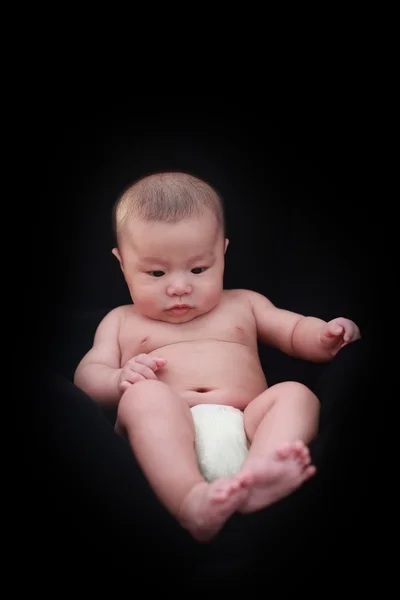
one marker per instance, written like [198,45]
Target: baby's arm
[98,372]
[309,338]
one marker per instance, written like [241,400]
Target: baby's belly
[212,372]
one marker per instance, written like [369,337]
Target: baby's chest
[148,336]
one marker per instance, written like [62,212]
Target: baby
[186,341]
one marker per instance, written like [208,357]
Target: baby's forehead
[200,228]
[153,242]
[166,256]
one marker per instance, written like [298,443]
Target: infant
[185,341]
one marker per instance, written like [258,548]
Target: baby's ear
[116,253]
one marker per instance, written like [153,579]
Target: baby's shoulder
[119,314]
[239,297]
[128,312]
[247,298]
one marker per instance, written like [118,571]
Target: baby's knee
[139,392]
[147,386]
[298,392]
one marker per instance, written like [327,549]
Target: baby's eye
[156,273]
[199,270]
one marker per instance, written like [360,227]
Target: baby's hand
[139,368]
[338,333]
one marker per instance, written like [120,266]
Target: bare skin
[207,506]
[160,428]
[275,477]
[154,362]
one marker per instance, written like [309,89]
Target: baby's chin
[168,317]
[191,314]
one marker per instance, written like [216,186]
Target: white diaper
[221,443]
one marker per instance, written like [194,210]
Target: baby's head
[171,243]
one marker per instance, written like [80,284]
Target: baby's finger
[133,377]
[149,361]
[348,335]
[130,379]
[125,385]
[330,335]
[141,369]
[334,330]
[160,362]
[352,334]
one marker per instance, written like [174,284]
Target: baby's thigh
[153,399]
[288,395]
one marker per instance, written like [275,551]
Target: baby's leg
[160,429]
[279,423]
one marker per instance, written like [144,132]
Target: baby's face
[174,271]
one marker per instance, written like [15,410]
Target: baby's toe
[310,471]
[284,451]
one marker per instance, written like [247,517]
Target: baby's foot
[268,480]
[208,506]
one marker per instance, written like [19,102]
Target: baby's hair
[168,197]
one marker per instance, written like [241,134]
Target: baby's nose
[179,288]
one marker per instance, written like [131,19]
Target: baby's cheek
[213,296]
[147,304]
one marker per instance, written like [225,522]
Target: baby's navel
[144,340]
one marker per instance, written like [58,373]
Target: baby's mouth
[179,309]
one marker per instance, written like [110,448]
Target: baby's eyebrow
[151,259]
[205,256]
[160,261]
